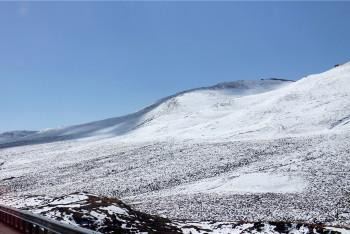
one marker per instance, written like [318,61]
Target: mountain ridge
[228,110]
[47,136]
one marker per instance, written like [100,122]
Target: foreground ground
[293,179]
[110,215]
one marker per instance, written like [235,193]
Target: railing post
[42,230]
[8,219]
[15,222]
[22,226]
[32,229]
[36,229]
[27,228]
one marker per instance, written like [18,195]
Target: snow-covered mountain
[196,105]
[245,151]
[228,111]
[15,135]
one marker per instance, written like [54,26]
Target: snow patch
[248,183]
[115,210]
[69,199]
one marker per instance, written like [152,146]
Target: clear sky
[69,63]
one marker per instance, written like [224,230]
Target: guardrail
[29,223]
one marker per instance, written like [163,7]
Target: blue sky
[67,63]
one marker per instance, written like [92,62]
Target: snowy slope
[250,151]
[110,215]
[193,103]
[230,111]
[313,104]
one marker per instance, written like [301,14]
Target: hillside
[252,151]
[241,109]
[198,104]
[110,215]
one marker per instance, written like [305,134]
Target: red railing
[29,223]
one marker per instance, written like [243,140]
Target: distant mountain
[15,135]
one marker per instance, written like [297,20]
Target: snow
[305,106]
[99,216]
[247,228]
[230,111]
[69,199]
[247,183]
[115,210]
[148,174]
[341,230]
[192,104]
[216,228]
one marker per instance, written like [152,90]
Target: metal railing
[29,223]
